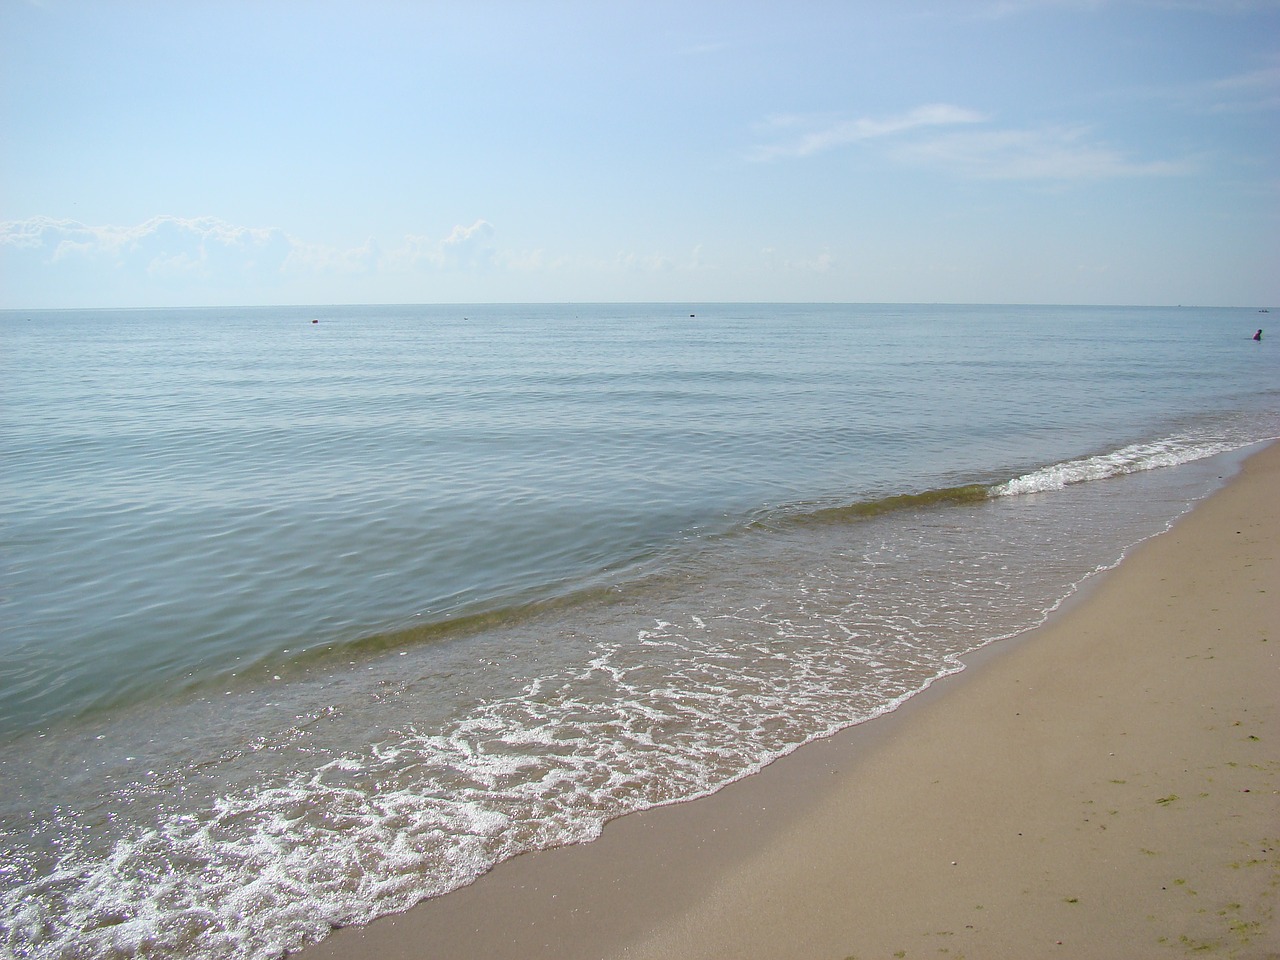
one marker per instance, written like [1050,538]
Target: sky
[226,152]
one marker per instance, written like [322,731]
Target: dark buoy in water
[315,321]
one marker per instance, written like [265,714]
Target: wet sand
[1105,786]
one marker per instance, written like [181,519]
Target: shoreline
[1106,784]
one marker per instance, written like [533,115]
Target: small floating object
[315,321]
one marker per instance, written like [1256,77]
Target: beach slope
[1105,786]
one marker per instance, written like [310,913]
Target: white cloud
[1051,153]
[29,234]
[1268,79]
[315,258]
[1254,90]
[202,243]
[947,136]
[464,247]
[472,246]
[822,263]
[998,9]
[206,259]
[644,262]
[168,245]
[1225,7]
[839,132]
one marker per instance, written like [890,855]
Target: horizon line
[688,303]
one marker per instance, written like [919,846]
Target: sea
[310,613]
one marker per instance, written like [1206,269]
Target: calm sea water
[303,622]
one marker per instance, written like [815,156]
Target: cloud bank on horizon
[1035,151]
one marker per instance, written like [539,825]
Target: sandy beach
[1105,786]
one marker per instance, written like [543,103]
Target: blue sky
[1021,151]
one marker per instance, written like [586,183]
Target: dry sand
[1106,786]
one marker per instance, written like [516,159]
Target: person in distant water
[1258,335]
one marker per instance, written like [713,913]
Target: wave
[863,509]
[609,585]
[646,573]
[1169,451]
[1135,458]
